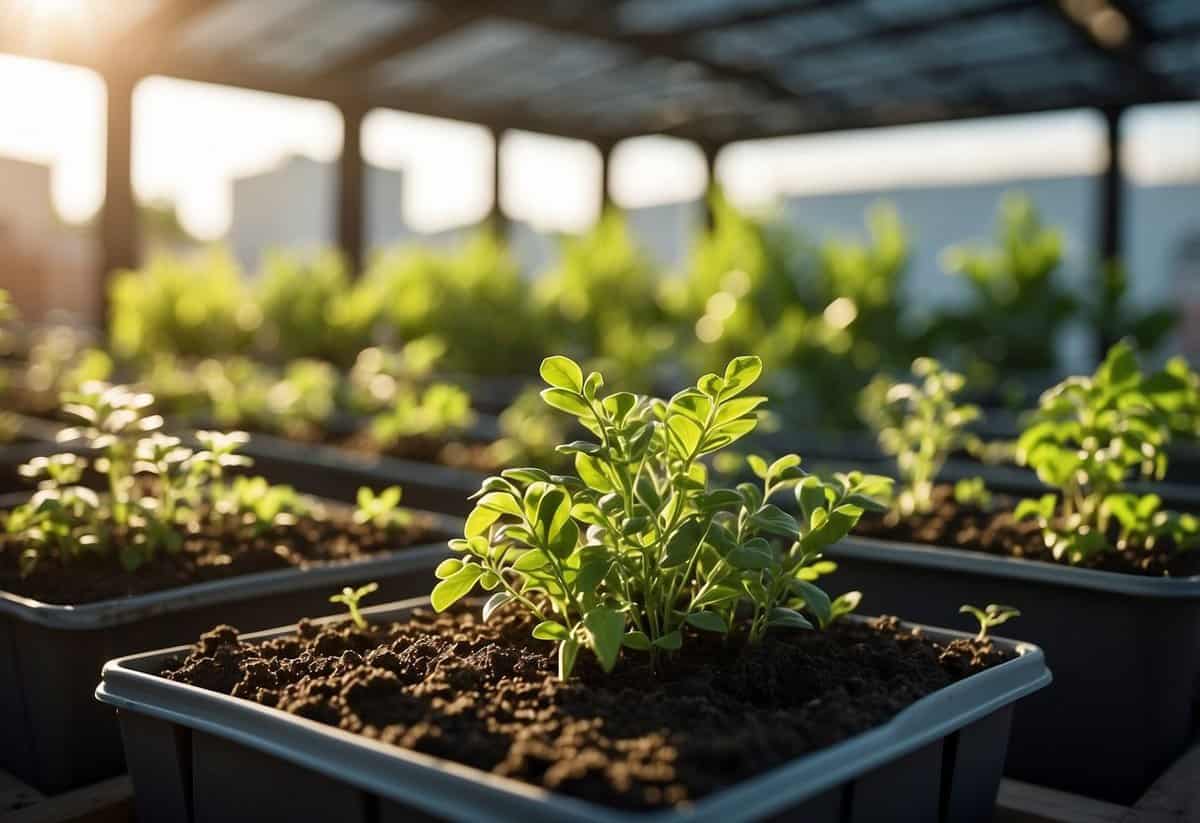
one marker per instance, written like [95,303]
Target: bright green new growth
[919,424]
[1088,436]
[156,485]
[972,491]
[993,615]
[350,598]
[380,510]
[441,411]
[636,544]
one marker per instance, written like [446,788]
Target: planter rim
[455,791]
[324,455]
[104,614]
[1035,571]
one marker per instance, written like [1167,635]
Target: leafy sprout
[920,424]
[990,617]
[351,597]
[440,412]
[637,545]
[380,510]
[972,491]
[156,486]
[1088,437]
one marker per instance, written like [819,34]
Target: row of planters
[646,639]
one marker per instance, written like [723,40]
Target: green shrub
[637,545]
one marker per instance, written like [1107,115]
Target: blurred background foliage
[824,314]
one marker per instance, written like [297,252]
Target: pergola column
[710,164]
[1111,214]
[497,218]
[606,152]
[119,229]
[351,189]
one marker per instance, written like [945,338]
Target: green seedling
[351,597]
[991,616]
[441,412]
[920,424]
[972,491]
[1087,439]
[637,546]
[380,510]
[156,486]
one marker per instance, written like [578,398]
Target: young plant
[1088,436]
[920,424]
[972,491]
[350,598]
[157,488]
[637,545]
[380,510]
[440,412]
[991,616]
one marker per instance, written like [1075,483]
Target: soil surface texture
[998,532]
[214,548]
[485,694]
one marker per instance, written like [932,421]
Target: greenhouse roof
[713,71]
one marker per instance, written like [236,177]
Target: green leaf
[447,568]
[751,558]
[565,540]
[480,520]
[563,373]
[604,628]
[687,433]
[531,561]
[717,595]
[568,650]
[550,630]
[788,619]
[815,600]
[591,472]
[757,465]
[567,401]
[553,512]
[683,545]
[455,587]
[774,520]
[619,405]
[494,602]
[636,640]
[844,604]
[810,496]
[708,622]
[671,641]
[740,374]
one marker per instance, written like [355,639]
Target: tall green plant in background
[601,301]
[474,299]
[310,308]
[193,306]
[1016,302]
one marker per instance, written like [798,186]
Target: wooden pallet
[1174,798]
[110,801]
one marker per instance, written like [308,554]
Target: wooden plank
[15,795]
[1026,803]
[1176,795]
[110,801]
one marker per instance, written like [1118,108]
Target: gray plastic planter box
[1126,652]
[202,756]
[55,736]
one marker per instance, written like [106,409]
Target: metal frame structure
[712,72]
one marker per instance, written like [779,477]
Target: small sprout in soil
[920,424]
[972,491]
[380,510]
[351,597]
[1088,437]
[993,615]
[638,544]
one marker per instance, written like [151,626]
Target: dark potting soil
[216,548]
[485,694]
[998,532]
